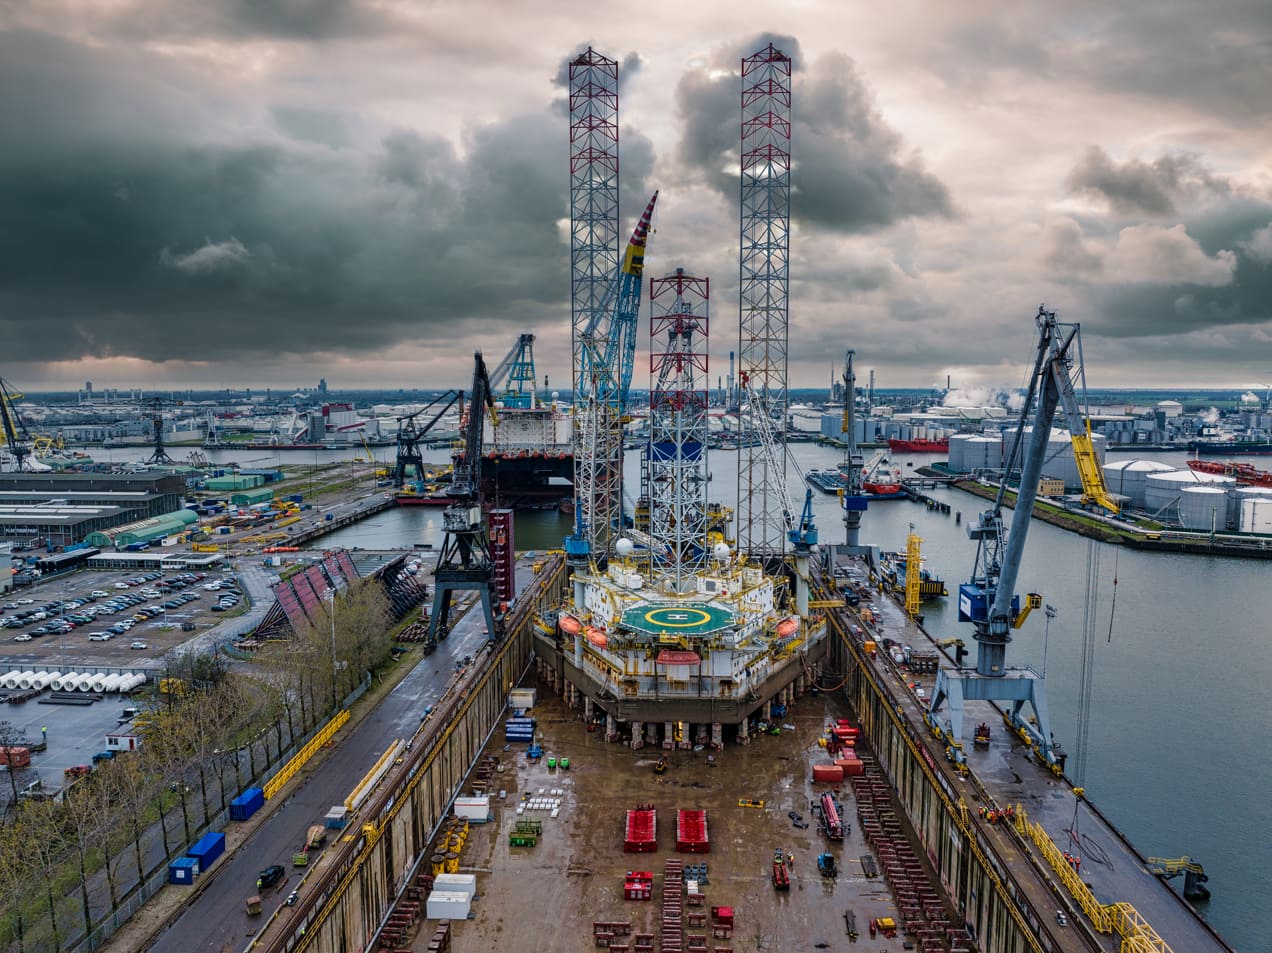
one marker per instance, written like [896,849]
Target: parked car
[22,637]
[139,645]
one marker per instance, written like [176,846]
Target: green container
[565,764]
[551,763]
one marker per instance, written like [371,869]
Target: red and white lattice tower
[593,189]
[764,283]
[676,462]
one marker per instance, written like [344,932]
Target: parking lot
[114,619]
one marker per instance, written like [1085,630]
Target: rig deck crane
[607,358]
[988,599]
[465,562]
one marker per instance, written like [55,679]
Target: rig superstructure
[668,628]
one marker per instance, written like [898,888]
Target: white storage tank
[42,679]
[10,679]
[1203,508]
[112,683]
[1128,478]
[56,684]
[958,452]
[85,682]
[133,680]
[1255,514]
[98,684]
[1058,461]
[1163,490]
[24,680]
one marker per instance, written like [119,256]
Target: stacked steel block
[922,912]
[673,935]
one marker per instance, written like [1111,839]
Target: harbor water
[1179,712]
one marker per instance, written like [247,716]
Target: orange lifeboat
[596,636]
[788,626]
[569,624]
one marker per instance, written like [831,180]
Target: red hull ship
[919,445]
[1243,473]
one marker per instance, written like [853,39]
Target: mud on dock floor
[546,897]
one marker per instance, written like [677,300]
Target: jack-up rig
[988,600]
[669,631]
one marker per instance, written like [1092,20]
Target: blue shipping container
[208,849]
[247,804]
[183,870]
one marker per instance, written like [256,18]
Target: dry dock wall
[378,852]
[975,880]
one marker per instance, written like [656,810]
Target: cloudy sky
[252,192]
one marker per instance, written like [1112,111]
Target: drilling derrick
[676,457]
[764,281]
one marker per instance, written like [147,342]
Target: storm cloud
[362,190]
[854,173]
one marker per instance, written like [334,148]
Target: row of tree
[69,860]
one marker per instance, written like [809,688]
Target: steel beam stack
[764,284]
[676,458]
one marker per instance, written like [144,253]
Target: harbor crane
[15,434]
[159,456]
[988,599]
[410,435]
[607,358]
[517,369]
[465,562]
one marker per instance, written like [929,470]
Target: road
[216,920]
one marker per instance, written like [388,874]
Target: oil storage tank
[1162,491]
[1129,478]
[1203,508]
[1253,509]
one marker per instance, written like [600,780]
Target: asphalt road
[216,920]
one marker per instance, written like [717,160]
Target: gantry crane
[607,358]
[988,600]
[465,561]
[409,436]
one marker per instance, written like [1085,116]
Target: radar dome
[624,547]
[720,551]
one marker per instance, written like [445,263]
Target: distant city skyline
[220,194]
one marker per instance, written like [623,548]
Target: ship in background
[919,445]
[529,457]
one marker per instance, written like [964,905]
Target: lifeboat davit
[788,626]
[569,624]
[596,636]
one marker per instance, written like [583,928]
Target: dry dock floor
[546,898]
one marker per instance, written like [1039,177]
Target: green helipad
[682,618]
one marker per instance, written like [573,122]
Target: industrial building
[143,531]
[56,510]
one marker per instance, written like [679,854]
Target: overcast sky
[257,192]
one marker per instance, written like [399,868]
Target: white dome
[624,547]
[721,551]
